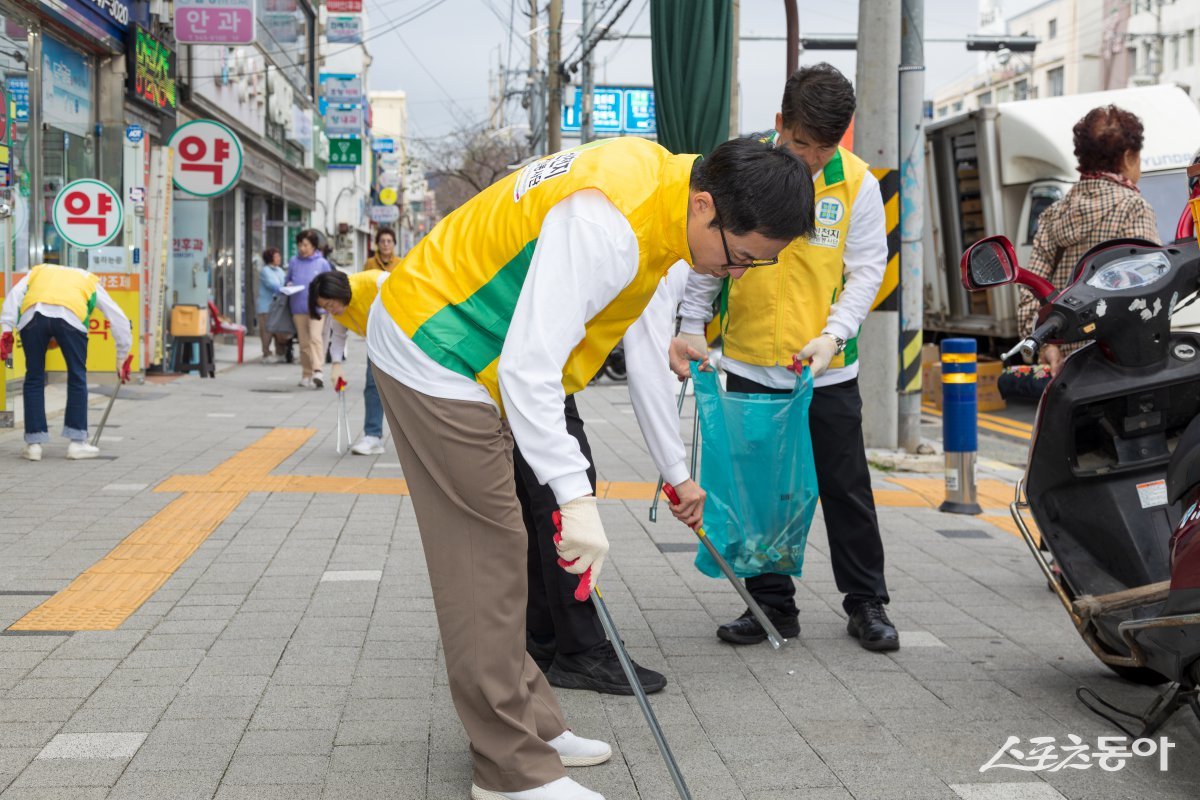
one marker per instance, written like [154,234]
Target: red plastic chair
[219,325]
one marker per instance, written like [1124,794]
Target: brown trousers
[311,333]
[457,459]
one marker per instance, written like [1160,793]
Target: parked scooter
[1115,449]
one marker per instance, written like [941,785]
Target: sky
[442,58]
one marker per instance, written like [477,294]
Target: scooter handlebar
[1031,344]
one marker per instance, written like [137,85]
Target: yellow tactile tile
[116,586]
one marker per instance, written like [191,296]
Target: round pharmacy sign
[87,213]
[208,158]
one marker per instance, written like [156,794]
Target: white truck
[996,169]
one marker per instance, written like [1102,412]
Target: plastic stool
[221,326]
[181,351]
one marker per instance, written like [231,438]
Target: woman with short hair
[1105,204]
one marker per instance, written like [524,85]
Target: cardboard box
[189,321]
[986,386]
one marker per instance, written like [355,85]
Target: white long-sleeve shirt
[865,259]
[12,318]
[653,387]
[586,254]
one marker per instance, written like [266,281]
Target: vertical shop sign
[152,71]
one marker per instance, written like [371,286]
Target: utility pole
[912,219]
[876,134]
[793,36]
[533,85]
[587,78]
[554,73]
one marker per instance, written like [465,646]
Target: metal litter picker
[610,630]
[104,418]
[773,636]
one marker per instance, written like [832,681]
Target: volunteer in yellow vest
[812,306]
[53,303]
[348,299]
[511,303]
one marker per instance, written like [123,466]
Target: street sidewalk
[274,636]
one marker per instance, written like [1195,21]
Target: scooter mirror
[989,262]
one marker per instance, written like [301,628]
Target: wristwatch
[837,340]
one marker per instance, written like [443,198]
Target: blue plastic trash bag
[757,467]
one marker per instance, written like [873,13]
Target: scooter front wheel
[1143,676]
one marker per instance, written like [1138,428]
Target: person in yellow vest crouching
[510,304]
[348,299]
[54,302]
[812,307]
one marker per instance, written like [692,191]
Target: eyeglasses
[754,262]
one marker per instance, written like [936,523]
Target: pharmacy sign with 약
[208,157]
[87,213]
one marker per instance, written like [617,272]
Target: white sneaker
[368,446]
[575,751]
[318,380]
[81,450]
[306,383]
[32,452]
[561,789]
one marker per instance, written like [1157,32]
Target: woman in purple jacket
[306,265]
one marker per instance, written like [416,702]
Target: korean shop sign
[208,157]
[345,152]
[152,71]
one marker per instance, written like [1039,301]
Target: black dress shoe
[869,624]
[599,670]
[746,630]
[542,654]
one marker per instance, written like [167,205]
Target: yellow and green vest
[455,292]
[772,312]
[68,287]
[363,291]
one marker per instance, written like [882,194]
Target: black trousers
[553,609]
[847,502]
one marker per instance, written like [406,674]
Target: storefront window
[15,155]
[69,142]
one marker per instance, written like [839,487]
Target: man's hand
[819,352]
[124,369]
[682,352]
[1053,357]
[690,508]
[581,543]
[6,346]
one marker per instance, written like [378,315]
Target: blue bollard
[960,425]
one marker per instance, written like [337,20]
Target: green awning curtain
[691,45]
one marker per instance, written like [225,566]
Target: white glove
[582,544]
[819,352]
[696,341]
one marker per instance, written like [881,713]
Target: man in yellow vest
[510,304]
[54,303]
[812,307]
[349,300]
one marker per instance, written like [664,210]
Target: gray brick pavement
[253,674]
